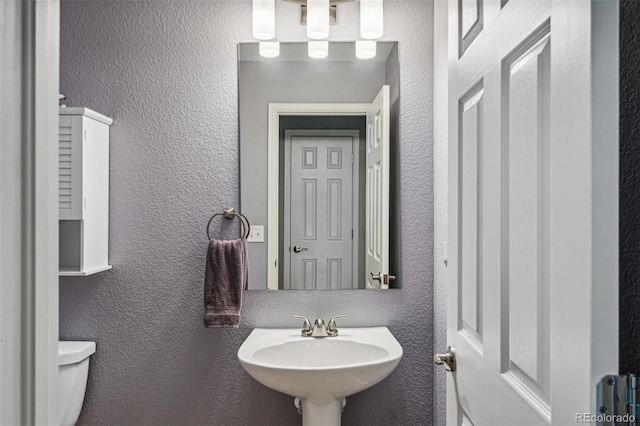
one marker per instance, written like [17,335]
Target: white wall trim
[275,111]
[440,173]
[29,85]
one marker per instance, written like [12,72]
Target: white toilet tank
[73,368]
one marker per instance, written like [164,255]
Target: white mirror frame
[273,146]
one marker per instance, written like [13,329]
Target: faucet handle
[306,326]
[332,328]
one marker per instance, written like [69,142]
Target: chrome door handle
[298,249]
[376,277]
[447,359]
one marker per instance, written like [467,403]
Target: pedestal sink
[320,371]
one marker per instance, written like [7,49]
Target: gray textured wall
[166,72]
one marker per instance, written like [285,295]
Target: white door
[319,205]
[377,187]
[533,144]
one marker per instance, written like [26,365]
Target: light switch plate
[256,234]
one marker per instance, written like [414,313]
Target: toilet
[73,369]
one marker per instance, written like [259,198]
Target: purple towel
[225,277]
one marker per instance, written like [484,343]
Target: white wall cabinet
[83,191]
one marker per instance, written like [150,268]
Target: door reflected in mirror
[322,200]
[316,158]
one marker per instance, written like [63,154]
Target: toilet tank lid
[71,352]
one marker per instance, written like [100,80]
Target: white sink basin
[320,370]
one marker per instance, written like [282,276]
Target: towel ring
[232,214]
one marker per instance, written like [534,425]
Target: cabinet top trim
[87,113]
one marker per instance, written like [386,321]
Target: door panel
[470,262]
[526,112]
[309,213]
[514,270]
[335,209]
[470,22]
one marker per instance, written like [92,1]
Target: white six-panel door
[532,208]
[377,187]
[320,212]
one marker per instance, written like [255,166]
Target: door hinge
[352,158]
[617,398]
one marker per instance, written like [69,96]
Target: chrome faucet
[319,329]
[306,326]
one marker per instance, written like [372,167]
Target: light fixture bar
[333,14]
[318,19]
[332,2]
[264,19]
[371,22]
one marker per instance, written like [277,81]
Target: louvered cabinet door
[70,167]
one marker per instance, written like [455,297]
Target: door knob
[447,359]
[376,277]
[298,249]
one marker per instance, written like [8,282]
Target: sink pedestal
[318,414]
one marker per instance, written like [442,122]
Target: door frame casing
[29,86]
[440,196]
[273,146]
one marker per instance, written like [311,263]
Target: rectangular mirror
[318,139]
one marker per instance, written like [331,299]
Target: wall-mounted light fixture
[264,19]
[269,49]
[365,49]
[318,19]
[317,14]
[318,49]
[371,22]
